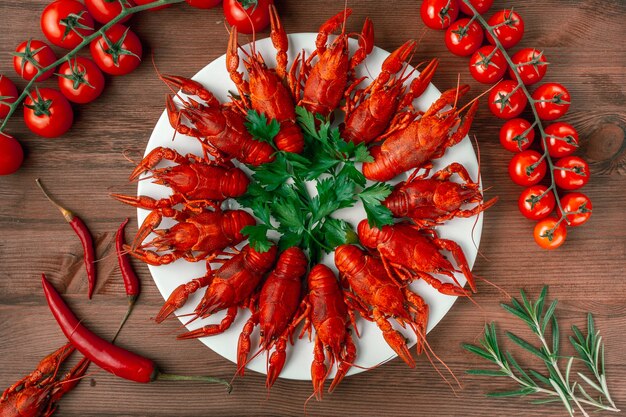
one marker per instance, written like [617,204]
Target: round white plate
[371,347]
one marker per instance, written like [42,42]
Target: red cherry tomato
[514,136]
[48,113]
[535,203]
[534,68]
[11,154]
[66,22]
[33,51]
[525,170]
[555,100]
[105,10]
[80,80]
[248,15]
[8,95]
[506,101]
[579,205]
[548,235]
[203,4]
[439,14]
[510,28]
[142,2]
[464,38]
[568,142]
[121,54]
[571,172]
[487,65]
[481,6]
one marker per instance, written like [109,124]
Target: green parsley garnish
[279,198]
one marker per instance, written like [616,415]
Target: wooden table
[584,44]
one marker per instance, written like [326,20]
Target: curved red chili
[106,355]
[85,237]
[131,281]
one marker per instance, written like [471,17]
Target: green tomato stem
[126,11]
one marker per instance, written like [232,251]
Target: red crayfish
[219,127]
[327,312]
[196,182]
[327,79]
[275,312]
[409,253]
[370,111]
[431,201]
[207,233]
[266,87]
[231,286]
[37,394]
[377,297]
[415,142]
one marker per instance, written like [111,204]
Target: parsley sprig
[279,198]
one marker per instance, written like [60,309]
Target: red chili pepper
[84,235]
[106,355]
[131,281]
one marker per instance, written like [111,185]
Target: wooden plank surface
[583,40]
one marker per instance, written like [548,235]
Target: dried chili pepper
[85,237]
[106,355]
[131,281]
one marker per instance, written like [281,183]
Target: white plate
[371,347]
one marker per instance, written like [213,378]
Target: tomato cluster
[489,63]
[118,51]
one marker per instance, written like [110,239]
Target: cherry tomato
[555,100]
[80,80]
[506,101]
[118,54]
[66,22]
[487,65]
[439,14]
[534,68]
[11,154]
[513,136]
[571,172]
[510,28]
[8,95]
[31,51]
[248,16]
[464,38]
[105,10]
[203,4]
[524,170]
[535,203]
[142,2]
[579,205]
[481,6]
[548,235]
[48,113]
[565,146]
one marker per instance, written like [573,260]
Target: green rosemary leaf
[517,393]
[487,372]
[525,345]
[548,316]
[520,314]
[478,351]
[555,337]
[590,382]
[527,304]
[563,396]
[540,301]
[568,369]
[519,369]
[539,376]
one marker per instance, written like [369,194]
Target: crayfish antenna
[429,349]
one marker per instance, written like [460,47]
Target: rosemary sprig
[558,384]
[562,214]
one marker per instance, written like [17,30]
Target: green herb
[279,198]
[557,385]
